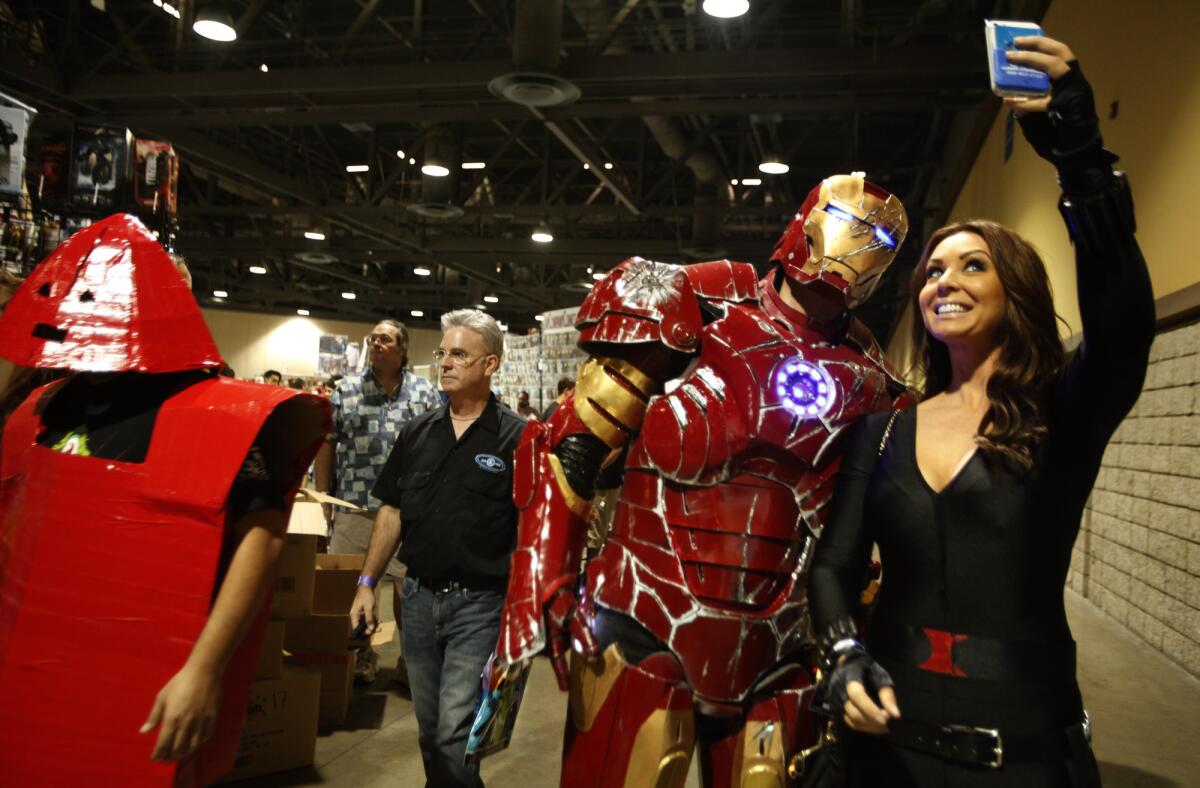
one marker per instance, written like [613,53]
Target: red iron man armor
[727,406]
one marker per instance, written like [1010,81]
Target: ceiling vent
[534,89]
[436,210]
[316,258]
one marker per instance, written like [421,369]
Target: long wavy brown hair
[1031,351]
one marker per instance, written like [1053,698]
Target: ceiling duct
[437,191]
[595,19]
[537,41]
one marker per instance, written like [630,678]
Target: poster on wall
[156,177]
[14,123]
[54,170]
[100,166]
[331,354]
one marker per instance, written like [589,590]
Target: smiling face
[963,299]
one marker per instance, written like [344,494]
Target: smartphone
[1010,79]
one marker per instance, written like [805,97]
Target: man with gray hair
[446,494]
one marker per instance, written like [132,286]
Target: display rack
[535,362]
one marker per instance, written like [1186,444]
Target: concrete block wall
[1138,554]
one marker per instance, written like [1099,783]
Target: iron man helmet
[844,237]
[108,299]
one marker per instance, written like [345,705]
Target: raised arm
[1116,302]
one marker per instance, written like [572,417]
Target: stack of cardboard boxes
[306,667]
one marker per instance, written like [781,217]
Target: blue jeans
[447,639]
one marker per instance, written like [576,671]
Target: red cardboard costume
[108,569]
[726,405]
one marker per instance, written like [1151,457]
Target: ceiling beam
[640,74]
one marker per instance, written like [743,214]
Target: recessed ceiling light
[599,275]
[302,312]
[541,234]
[752,181]
[220,294]
[314,235]
[400,154]
[587,166]
[733,181]
[358,168]
[473,165]
[608,165]
[264,68]
[539,318]
[726,9]
[434,170]
[491,299]
[421,270]
[349,295]
[773,167]
[411,160]
[257,269]
[417,313]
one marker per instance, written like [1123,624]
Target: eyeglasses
[459,358]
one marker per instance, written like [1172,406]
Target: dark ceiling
[679,103]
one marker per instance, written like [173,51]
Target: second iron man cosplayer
[725,405]
[114,537]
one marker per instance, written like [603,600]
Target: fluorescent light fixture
[599,275]
[752,181]
[220,294]
[539,318]
[302,312]
[358,168]
[726,9]
[349,295]
[264,68]
[314,235]
[215,24]
[421,270]
[733,181]
[773,167]
[400,154]
[473,165]
[434,170]
[608,165]
[417,313]
[491,299]
[257,269]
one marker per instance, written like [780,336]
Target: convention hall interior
[331,163]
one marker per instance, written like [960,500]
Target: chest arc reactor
[803,388]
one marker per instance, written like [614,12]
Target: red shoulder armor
[723,280]
[862,338]
[642,301]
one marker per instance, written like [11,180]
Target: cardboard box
[270,659]
[337,682]
[294,587]
[324,633]
[281,724]
[336,582]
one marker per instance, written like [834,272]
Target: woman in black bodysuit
[967,677]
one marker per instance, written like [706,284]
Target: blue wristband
[368,581]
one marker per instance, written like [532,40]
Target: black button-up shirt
[458,521]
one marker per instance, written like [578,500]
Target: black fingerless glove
[1067,134]
[845,660]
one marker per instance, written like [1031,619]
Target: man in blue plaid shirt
[368,411]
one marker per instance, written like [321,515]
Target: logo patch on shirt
[490,463]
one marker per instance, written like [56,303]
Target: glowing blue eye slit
[845,216]
[886,237]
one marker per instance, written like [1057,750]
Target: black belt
[988,747]
[447,585]
[971,656]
